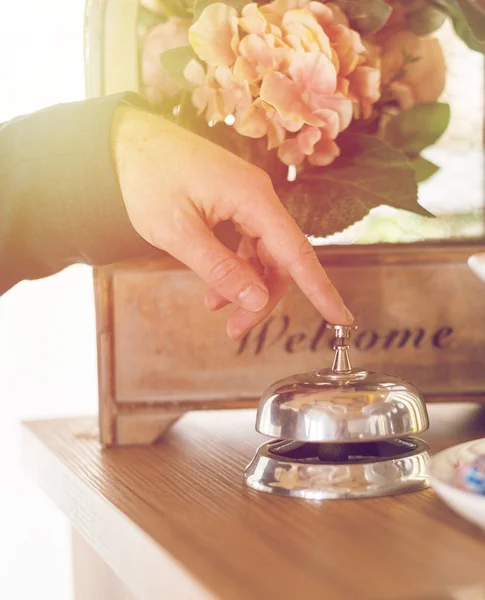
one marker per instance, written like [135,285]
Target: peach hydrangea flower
[214,35]
[364,83]
[217,91]
[290,70]
[307,93]
[308,143]
[348,48]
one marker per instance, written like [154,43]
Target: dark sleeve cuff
[60,201]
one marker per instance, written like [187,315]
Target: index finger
[263,216]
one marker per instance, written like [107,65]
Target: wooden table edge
[77,500]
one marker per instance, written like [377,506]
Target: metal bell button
[340,433]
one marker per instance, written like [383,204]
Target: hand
[177,186]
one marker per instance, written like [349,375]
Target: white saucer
[477,264]
[442,473]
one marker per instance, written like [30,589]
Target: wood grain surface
[174,520]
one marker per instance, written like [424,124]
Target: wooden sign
[420,311]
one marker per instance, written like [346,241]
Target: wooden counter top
[175,520]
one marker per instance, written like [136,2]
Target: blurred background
[47,332]
[455,194]
[47,329]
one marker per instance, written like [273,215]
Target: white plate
[477,264]
[442,471]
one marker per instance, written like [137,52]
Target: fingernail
[234,333]
[253,298]
[211,303]
[349,315]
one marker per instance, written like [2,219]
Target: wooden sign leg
[143,428]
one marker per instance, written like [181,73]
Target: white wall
[47,337]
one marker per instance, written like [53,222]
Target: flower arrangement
[335,100]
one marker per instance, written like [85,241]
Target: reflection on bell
[341,433]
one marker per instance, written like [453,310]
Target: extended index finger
[263,216]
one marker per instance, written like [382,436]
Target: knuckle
[166,230]
[306,257]
[264,179]
[325,289]
[224,271]
[321,291]
[260,180]
[305,254]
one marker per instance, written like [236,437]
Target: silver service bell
[341,433]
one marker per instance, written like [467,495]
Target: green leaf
[369,173]
[462,24]
[463,31]
[366,16]
[174,62]
[201,4]
[424,21]
[417,128]
[474,17]
[423,168]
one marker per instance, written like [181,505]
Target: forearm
[60,201]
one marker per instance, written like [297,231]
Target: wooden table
[174,521]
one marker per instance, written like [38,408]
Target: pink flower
[168,35]
[253,20]
[284,68]
[304,33]
[253,122]
[258,55]
[262,119]
[324,153]
[294,151]
[217,91]
[274,11]
[365,88]
[310,144]
[237,95]
[307,93]
[338,15]
[348,48]
[214,35]
[207,95]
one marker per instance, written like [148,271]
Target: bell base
[322,472]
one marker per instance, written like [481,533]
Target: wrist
[121,130]
[132,131]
